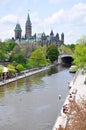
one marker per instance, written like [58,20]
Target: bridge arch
[66,59]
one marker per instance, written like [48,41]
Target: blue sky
[67,16]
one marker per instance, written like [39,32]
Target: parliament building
[41,39]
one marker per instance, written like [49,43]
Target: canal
[32,103]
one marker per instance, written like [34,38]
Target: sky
[67,16]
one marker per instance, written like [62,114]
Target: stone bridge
[65,59]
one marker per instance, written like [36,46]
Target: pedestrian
[65,109]
[60,128]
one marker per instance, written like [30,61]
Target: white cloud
[55,18]
[76,14]
[9,19]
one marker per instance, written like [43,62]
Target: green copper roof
[28,20]
[18,27]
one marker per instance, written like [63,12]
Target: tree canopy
[20,67]
[19,58]
[80,53]
[38,58]
[67,48]
[5,49]
[52,53]
[1,69]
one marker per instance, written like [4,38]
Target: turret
[51,34]
[28,28]
[62,38]
[57,37]
[18,31]
[43,39]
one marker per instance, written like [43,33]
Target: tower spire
[28,27]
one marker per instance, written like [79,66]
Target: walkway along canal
[32,102]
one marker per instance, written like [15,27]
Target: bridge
[65,59]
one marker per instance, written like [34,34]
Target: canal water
[32,103]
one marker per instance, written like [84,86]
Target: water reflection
[2,90]
[29,83]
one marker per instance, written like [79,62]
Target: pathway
[26,73]
[78,90]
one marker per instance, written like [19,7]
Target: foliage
[28,65]
[71,46]
[67,49]
[20,67]
[11,68]
[1,69]
[3,55]
[5,48]
[52,53]
[80,54]
[38,58]
[10,44]
[77,115]
[19,58]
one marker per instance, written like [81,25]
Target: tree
[3,51]
[20,67]
[10,44]
[11,68]
[80,53]
[3,55]
[1,70]
[19,58]
[67,48]
[38,58]
[52,53]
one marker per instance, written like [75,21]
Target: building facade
[18,32]
[28,28]
[42,40]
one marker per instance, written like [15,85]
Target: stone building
[18,31]
[28,28]
[35,40]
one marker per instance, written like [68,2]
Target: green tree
[20,67]
[67,49]
[1,70]
[52,53]
[11,68]
[38,58]
[5,48]
[19,58]
[3,55]
[3,51]
[10,44]
[80,53]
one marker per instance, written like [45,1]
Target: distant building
[18,31]
[36,39]
[28,28]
